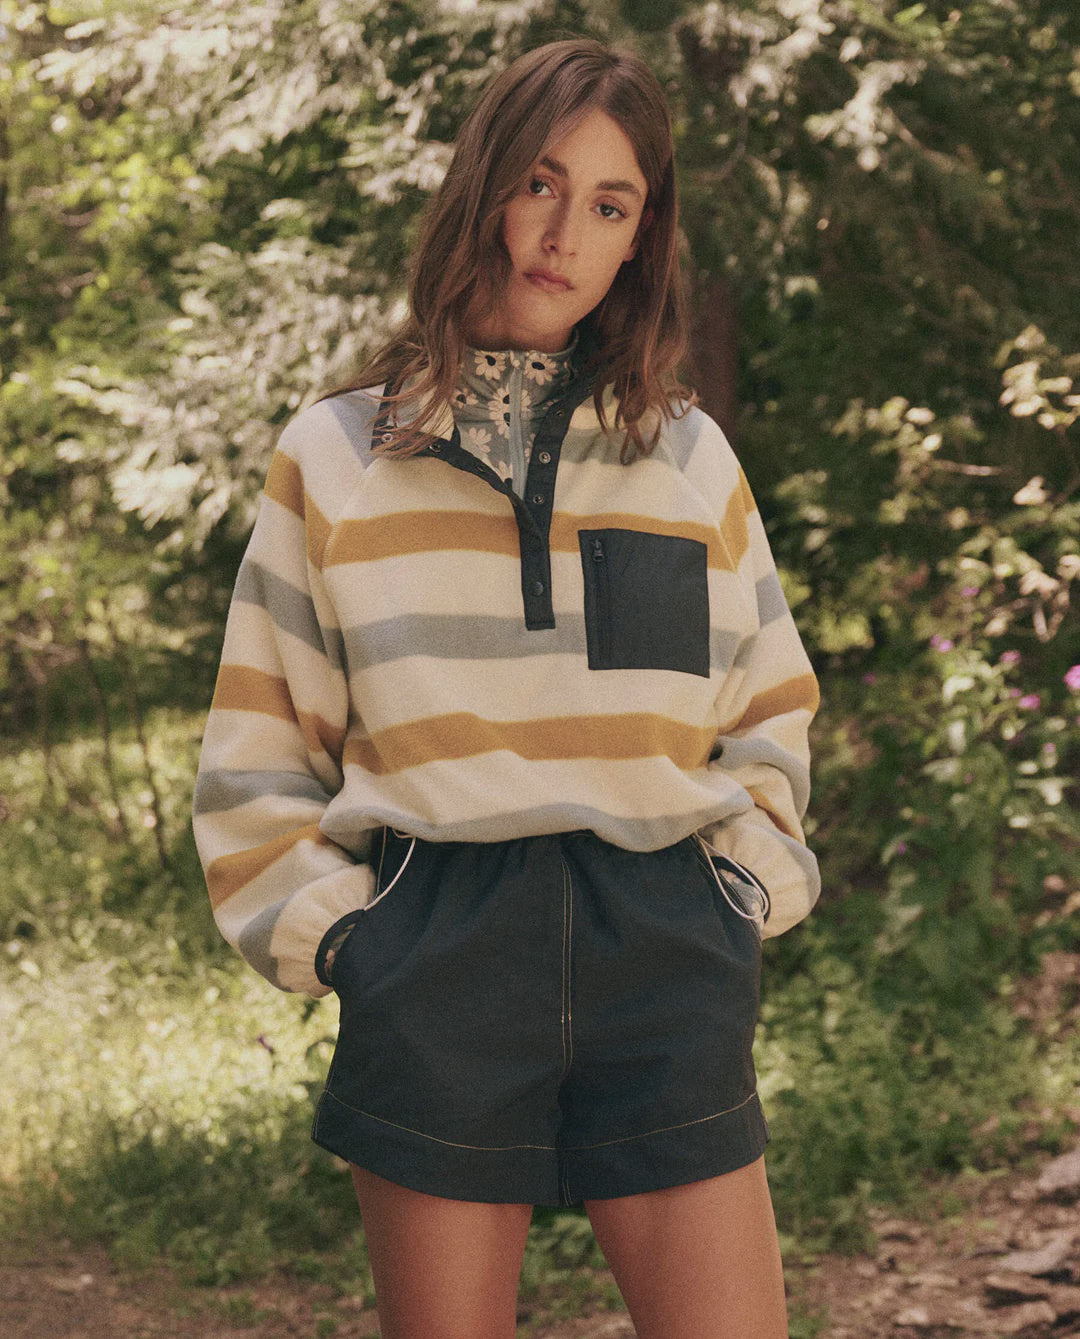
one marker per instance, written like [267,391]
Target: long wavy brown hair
[637,334]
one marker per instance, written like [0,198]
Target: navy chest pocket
[646,601]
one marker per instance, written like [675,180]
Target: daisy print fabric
[501,396]
[489,366]
[480,442]
[542,368]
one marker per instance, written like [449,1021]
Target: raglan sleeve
[764,742]
[271,756]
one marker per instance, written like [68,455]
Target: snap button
[436,446]
[538,498]
[545,457]
[538,588]
[388,436]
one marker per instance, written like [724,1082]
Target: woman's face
[574,222]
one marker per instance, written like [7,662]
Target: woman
[509,743]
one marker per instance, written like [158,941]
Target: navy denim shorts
[544,1020]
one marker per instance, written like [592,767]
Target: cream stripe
[800,693]
[285,485]
[241,688]
[229,873]
[768,805]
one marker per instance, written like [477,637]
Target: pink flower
[1072,678]
[901,848]
[940,643]
[869,678]
[968,592]
[1009,658]
[1030,701]
[1014,692]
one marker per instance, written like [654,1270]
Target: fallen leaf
[1060,1179]
[72,1285]
[1006,1286]
[1044,1259]
[916,1316]
[932,1280]
[1018,1318]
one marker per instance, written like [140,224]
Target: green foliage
[160,1094]
[866,1096]
[204,218]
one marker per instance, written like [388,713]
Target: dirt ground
[1008,1263]
[1002,1258]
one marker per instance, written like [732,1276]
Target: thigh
[443,1268]
[697,1261]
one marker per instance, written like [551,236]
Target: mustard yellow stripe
[763,802]
[733,527]
[285,485]
[625,736]
[800,693]
[242,688]
[406,532]
[564,531]
[749,504]
[229,873]
[400,532]
[318,532]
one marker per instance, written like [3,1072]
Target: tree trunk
[713,361]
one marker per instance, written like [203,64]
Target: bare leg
[443,1269]
[699,1261]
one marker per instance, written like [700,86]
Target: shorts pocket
[743,891]
[339,937]
[646,600]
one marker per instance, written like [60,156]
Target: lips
[548,281]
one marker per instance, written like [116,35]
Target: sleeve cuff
[785,868]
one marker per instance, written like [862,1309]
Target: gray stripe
[254,942]
[221,789]
[770,598]
[589,446]
[681,435]
[633,833]
[487,637]
[356,414]
[750,751]
[290,608]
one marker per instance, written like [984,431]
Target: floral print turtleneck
[501,397]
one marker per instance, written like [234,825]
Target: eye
[616,212]
[538,182]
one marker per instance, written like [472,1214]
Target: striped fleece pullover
[477,653]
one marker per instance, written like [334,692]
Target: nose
[562,233]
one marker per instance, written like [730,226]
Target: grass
[159,1093]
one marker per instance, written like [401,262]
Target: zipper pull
[598,549]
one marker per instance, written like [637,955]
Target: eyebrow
[560,171]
